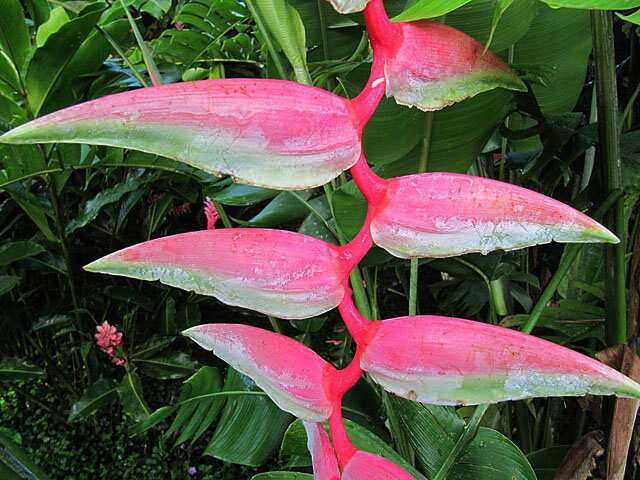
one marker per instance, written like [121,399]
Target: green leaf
[15,369]
[14,35]
[294,444]
[33,207]
[133,402]
[285,208]
[429,9]
[239,195]
[488,456]
[545,462]
[168,366]
[559,43]
[194,417]
[14,251]
[285,26]
[92,208]
[594,4]
[152,420]
[633,18]
[48,61]
[156,8]
[8,282]
[51,322]
[250,428]
[57,18]
[15,464]
[282,476]
[101,393]
[501,7]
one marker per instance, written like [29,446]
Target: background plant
[66,206]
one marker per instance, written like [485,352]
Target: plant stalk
[609,159]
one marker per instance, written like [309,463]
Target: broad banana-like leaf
[294,376]
[325,463]
[270,133]
[449,361]
[284,274]
[367,466]
[446,214]
[430,65]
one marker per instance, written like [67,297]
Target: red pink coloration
[451,361]
[294,376]
[325,464]
[270,133]
[447,214]
[430,65]
[279,273]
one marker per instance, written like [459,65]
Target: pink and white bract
[279,273]
[294,376]
[450,361]
[325,463]
[448,214]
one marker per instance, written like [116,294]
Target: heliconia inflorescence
[284,135]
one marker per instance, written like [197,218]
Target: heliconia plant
[283,135]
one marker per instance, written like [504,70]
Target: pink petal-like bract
[450,361]
[325,463]
[284,274]
[271,133]
[296,378]
[448,214]
[367,466]
[430,65]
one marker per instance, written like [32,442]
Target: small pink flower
[179,25]
[108,337]
[211,213]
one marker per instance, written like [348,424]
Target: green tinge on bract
[349,6]
[231,291]
[213,151]
[473,390]
[438,94]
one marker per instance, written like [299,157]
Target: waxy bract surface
[348,6]
[446,214]
[279,273]
[367,466]
[294,376]
[325,463]
[270,133]
[450,361]
[430,65]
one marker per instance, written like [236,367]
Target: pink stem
[356,249]
[379,27]
[367,101]
[371,185]
[348,376]
[341,443]
[356,323]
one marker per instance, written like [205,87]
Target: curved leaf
[15,369]
[594,4]
[14,34]
[449,361]
[294,376]
[168,366]
[232,127]
[279,273]
[101,393]
[15,464]
[250,428]
[434,431]
[416,218]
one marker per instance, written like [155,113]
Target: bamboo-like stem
[413,287]
[609,159]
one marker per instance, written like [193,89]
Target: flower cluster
[109,339]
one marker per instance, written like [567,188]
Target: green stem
[498,295]
[467,436]
[152,70]
[224,218]
[609,157]
[629,107]
[413,287]
[571,252]
[123,55]
[426,143]
[275,56]
[275,324]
